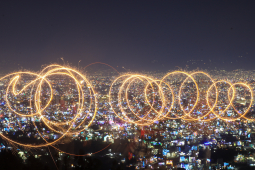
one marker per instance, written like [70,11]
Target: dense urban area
[111,143]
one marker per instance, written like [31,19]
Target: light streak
[159,99]
[100,63]
[35,88]
[122,108]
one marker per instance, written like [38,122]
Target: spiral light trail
[121,104]
[134,98]
[80,121]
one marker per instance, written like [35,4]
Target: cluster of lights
[78,123]
[160,98]
[121,106]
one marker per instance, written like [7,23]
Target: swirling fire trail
[134,98]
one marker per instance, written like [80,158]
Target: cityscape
[127,85]
[174,120]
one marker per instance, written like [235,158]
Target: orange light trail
[35,87]
[126,113]
[157,100]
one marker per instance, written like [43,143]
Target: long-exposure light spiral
[134,98]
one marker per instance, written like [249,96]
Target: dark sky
[139,35]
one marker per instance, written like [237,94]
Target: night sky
[139,35]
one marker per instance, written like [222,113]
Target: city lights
[157,98]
